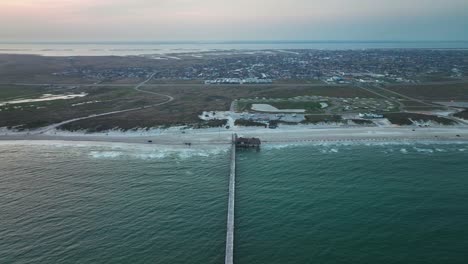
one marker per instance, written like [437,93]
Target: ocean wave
[153,154]
[423,150]
[105,154]
[403,147]
[282,145]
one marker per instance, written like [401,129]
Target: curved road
[137,88]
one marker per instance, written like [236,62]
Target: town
[254,67]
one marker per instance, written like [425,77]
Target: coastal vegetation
[414,119]
[316,119]
[243,122]
[463,114]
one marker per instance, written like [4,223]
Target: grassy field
[437,77]
[37,114]
[190,101]
[47,70]
[175,82]
[298,81]
[463,114]
[11,92]
[330,91]
[310,107]
[435,92]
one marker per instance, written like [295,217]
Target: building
[247,143]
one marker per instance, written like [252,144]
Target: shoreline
[211,137]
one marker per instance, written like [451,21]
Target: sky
[219,20]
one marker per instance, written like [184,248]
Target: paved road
[137,88]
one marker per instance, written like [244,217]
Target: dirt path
[137,88]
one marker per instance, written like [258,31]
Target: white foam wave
[423,150]
[149,156]
[404,151]
[160,153]
[105,154]
[329,150]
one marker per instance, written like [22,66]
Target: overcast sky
[165,20]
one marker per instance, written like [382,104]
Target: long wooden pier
[230,214]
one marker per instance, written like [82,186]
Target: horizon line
[226,41]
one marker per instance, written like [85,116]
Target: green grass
[310,107]
[11,92]
[28,115]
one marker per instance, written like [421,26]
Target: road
[137,88]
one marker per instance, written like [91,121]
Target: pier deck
[230,216]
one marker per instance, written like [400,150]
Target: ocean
[319,203]
[154,48]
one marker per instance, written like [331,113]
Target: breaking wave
[152,154]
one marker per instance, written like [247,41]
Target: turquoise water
[79,203]
[62,204]
[353,204]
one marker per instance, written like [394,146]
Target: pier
[237,143]
[230,214]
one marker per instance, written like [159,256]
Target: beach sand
[284,134]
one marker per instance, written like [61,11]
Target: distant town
[253,67]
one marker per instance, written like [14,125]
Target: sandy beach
[286,134]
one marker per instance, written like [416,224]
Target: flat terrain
[434,92]
[110,82]
[190,101]
[38,114]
